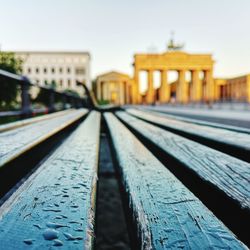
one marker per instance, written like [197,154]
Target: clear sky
[113,30]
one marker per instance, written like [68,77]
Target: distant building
[233,89]
[60,67]
[114,87]
[202,87]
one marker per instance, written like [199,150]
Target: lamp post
[90,100]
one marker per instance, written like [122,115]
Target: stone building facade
[114,87]
[196,90]
[202,86]
[233,89]
[60,67]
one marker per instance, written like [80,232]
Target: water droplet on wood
[58,243]
[50,234]
[28,241]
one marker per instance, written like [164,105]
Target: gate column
[182,88]
[209,85]
[150,91]
[196,86]
[165,88]
[136,96]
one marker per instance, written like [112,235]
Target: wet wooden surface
[24,122]
[229,174]
[235,140]
[17,141]
[167,214]
[193,120]
[55,207]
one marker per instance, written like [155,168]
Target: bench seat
[17,141]
[195,121]
[167,215]
[231,142]
[24,122]
[225,172]
[55,206]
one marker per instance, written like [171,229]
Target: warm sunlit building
[201,86]
[197,90]
[233,89]
[114,87]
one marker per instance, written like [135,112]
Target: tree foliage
[71,92]
[8,88]
[44,95]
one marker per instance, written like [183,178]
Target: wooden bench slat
[238,141]
[17,124]
[167,214]
[15,142]
[194,121]
[57,202]
[228,174]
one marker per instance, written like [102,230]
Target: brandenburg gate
[198,89]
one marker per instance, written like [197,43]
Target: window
[69,83]
[45,70]
[37,70]
[80,71]
[53,70]
[29,70]
[60,70]
[68,70]
[61,82]
[46,82]
[53,83]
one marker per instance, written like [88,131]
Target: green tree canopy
[8,88]
[71,92]
[44,95]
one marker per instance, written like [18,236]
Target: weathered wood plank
[21,123]
[56,205]
[16,142]
[231,142]
[229,174]
[167,214]
[193,120]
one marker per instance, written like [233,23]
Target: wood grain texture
[229,174]
[15,142]
[167,214]
[226,137]
[193,120]
[24,122]
[56,205]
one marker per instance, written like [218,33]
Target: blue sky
[113,30]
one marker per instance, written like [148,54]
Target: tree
[44,95]
[8,88]
[71,92]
